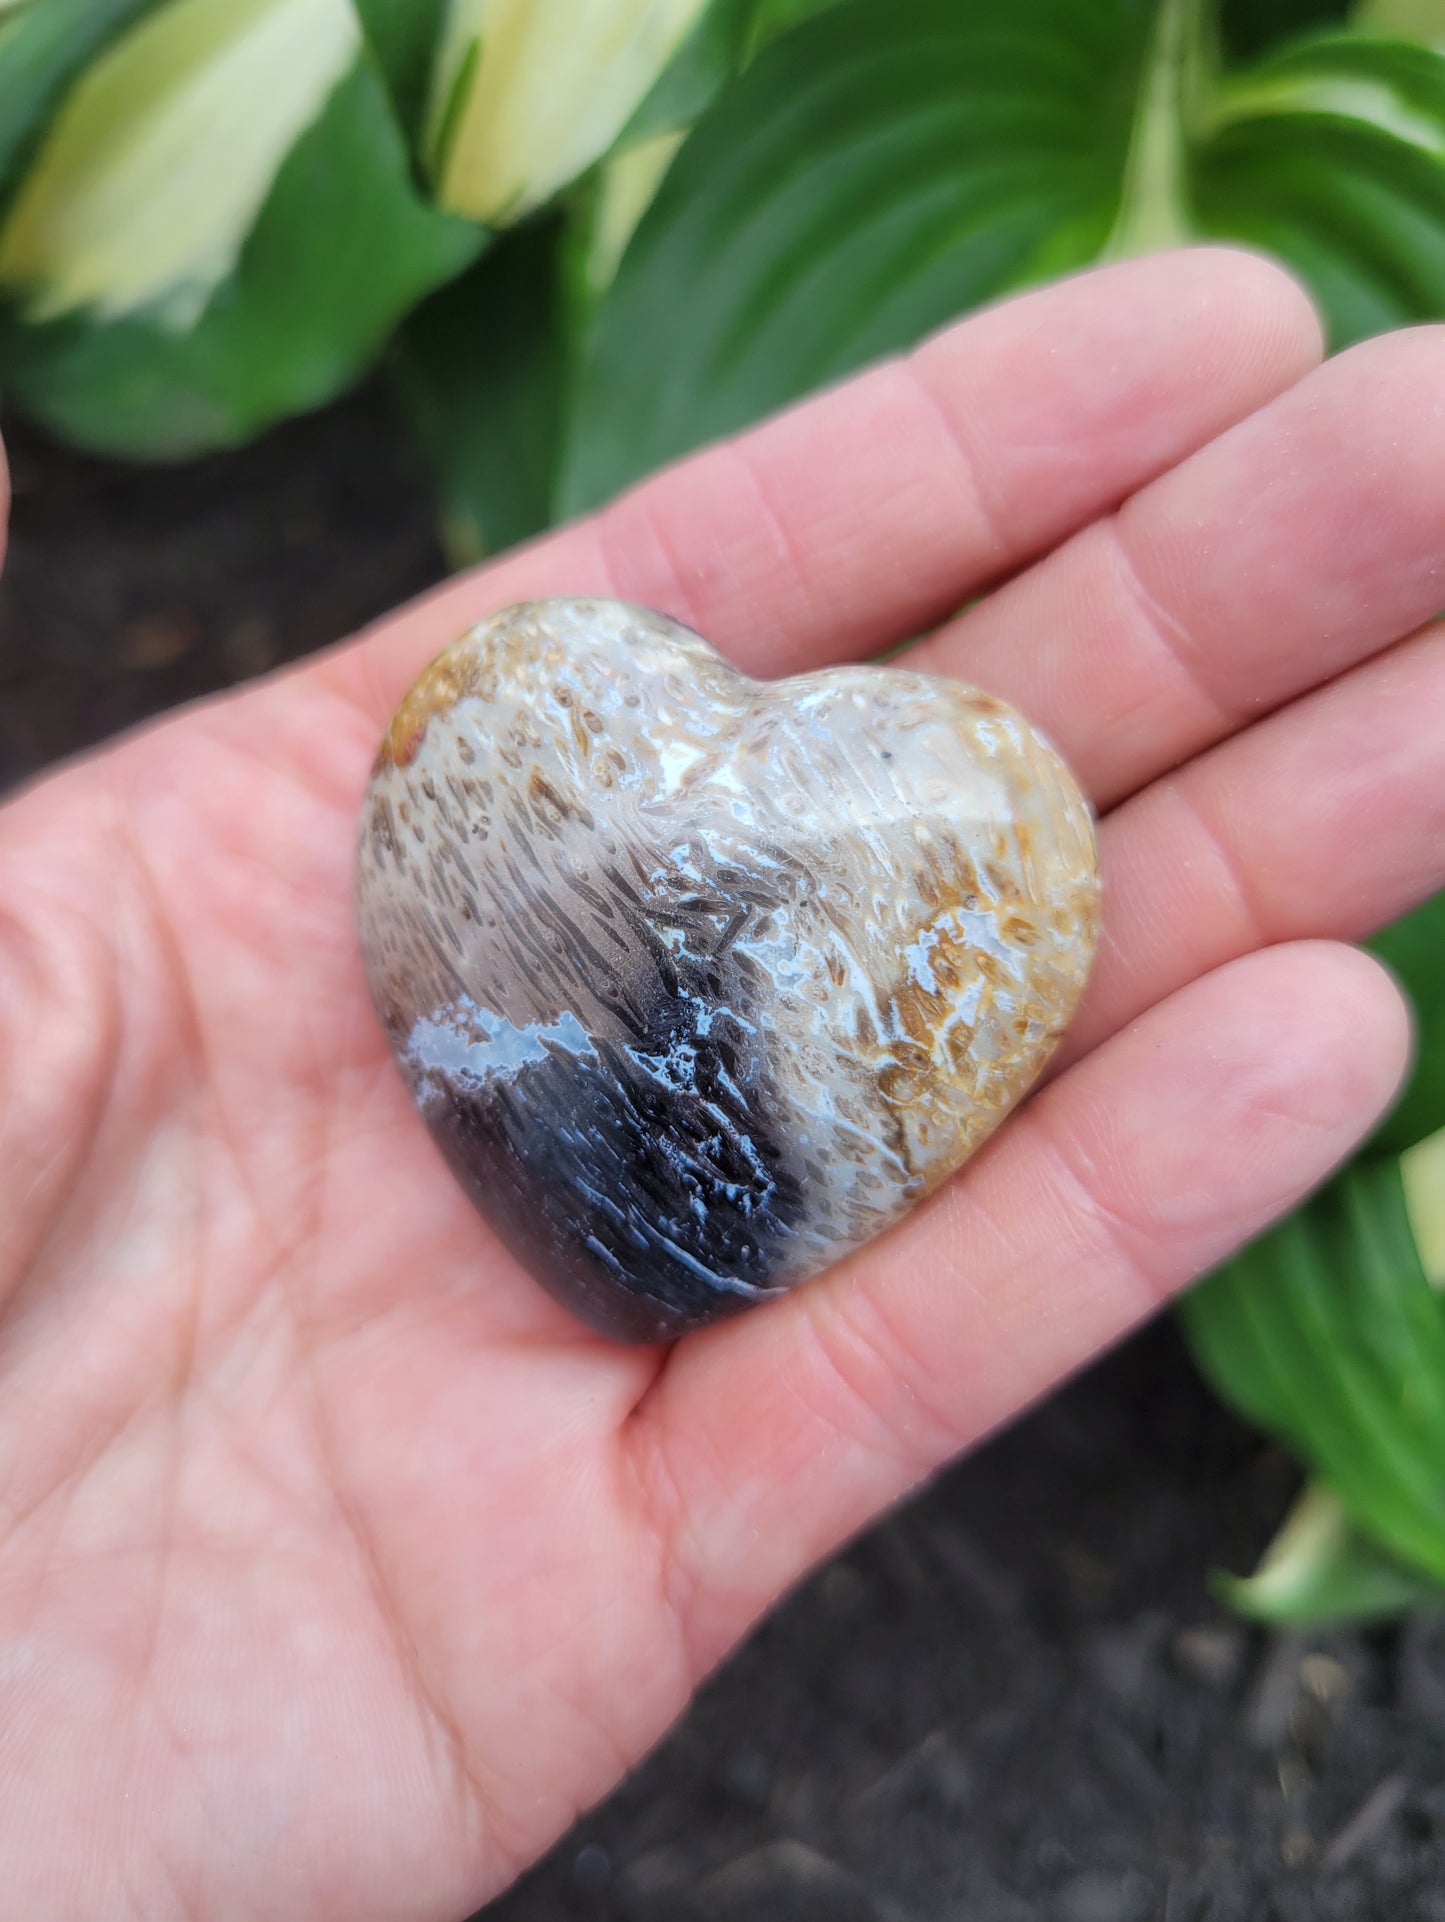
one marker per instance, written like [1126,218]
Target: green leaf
[404,36]
[624,185]
[1154,207]
[875,171]
[614,198]
[1402,19]
[1321,1568]
[1415,948]
[482,370]
[617,196]
[41,51]
[1331,155]
[774,17]
[1328,1334]
[1249,27]
[531,93]
[879,170]
[342,248]
[711,54]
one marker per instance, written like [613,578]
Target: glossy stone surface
[701,981]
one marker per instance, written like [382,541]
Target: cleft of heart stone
[698,981]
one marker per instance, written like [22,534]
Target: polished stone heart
[701,981]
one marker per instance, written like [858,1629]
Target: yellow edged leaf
[1422,1175]
[1402,19]
[626,188]
[530,93]
[162,156]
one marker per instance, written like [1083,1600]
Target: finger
[869,512]
[1301,541]
[767,1441]
[1326,819]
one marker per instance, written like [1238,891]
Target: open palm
[338,1568]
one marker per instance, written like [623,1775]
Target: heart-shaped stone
[701,981]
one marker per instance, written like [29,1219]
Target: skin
[338,1568]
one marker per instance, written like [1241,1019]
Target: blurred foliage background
[585,236]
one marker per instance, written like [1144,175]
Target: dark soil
[1014,1701]
[129,589]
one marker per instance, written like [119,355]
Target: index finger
[870,512]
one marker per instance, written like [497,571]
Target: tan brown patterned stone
[701,981]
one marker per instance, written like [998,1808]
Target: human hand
[338,1567]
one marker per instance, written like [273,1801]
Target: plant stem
[1154,204]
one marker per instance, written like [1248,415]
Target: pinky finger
[769,1440]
